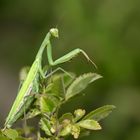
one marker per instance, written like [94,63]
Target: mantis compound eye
[54,32]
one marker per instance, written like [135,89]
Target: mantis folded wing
[31,84]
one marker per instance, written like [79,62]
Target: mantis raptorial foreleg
[66,57]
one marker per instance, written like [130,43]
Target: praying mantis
[24,99]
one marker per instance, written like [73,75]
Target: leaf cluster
[55,91]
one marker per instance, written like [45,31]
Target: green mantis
[24,99]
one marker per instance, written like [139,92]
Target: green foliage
[80,84]
[11,134]
[57,90]
[100,113]
[45,126]
[115,27]
[90,124]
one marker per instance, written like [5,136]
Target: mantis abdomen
[24,99]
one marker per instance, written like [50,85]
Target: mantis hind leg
[59,69]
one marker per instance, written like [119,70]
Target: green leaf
[80,84]
[67,79]
[58,82]
[48,88]
[57,88]
[45,126]
[100,113]
[3,138]
[46,104]
[11,133]
[32,113]
[89,124]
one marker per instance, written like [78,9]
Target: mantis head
[54,32]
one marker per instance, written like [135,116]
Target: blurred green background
[108,30]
